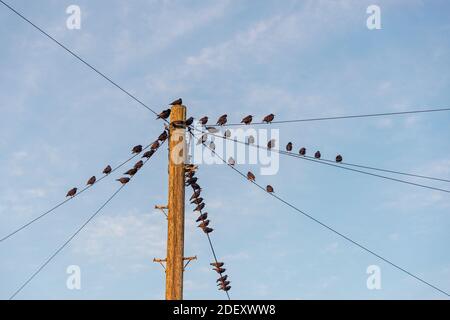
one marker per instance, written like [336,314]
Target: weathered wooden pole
[175,233]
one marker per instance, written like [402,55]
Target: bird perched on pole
[123,180]
[203,120]
[196,194]
[164,114]
[197,201]
[177,102]
[251,176]
[148,154]
[202,217]
[269,189]
[222,279]
[317,155]
[91,181]
[302,151]
[107,170]
[269,118]
[247,120]
[191,181]
[222,120]
[139,164]
[289,147]
[195,186]
[131,172]
[72,192]
[136,149]
[155,145]
[339,158]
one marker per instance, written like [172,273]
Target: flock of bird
[131,172]
[198,201]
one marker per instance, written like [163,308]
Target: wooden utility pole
[175,232]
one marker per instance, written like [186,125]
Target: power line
[329,164]
[79,58]
[334,230]
[68,240]
[340,117]
[67,200]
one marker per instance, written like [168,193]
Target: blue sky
[60,123]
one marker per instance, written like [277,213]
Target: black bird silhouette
[269,118]
[339,158]
[196,194]
[190,174]
[200,207]
[164,114]
[107,170]
[217,264]
[136,149]
[222,279]
[177,102]
[189,121]
[224,283]
[163,136]
[251,176]
[302,151]
[202,217]
[227,288]
[203,121]
[207,230]
[269,188]
[91,181]
[195,186]
[123,180]
[247,120]
[197,200]
[219,270]
[191,181]
[139,164]
[317,155]
[289,147]
[222,120]
[155,145]
[72,192]
[271,144]
[148,154]
[131,172]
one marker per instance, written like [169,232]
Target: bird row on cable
[251,177]
[223,119]
[131,172]
[198,201]
[317,154]
[223,283]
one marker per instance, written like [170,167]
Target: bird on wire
[247,120]
[202,139]
[163,136]
[148,154]
[251,176]
[189,121]
[269,118]
[217,264]
[131,172]
[107,170]
[203,224]
[271,144]
[220,270]
[123,180]
[317,155]
[191,181]
[203,120]
[289,147]
[269,189]
[212,146]
[227,288]
[155,145]
[202,217]
[302,151]
[139,164]
[195,186]
[200,207]
[136,149]
[72,192]
[339,158]
[250,140]
[91,181]
[197,201]
[177,102]
[196,194]
[212,129]
[231,161]
[224,283]
[222,120]
[164,114]
[207,230]
[227,134]
[222,279]
[190,174]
